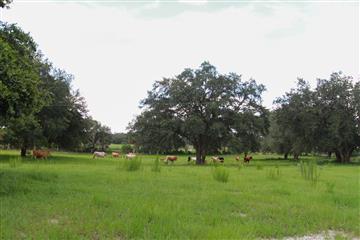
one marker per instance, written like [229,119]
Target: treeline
[222,113]
[38,106]
[323,120]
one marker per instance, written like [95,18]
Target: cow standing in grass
[218,159]
[99,154]
[247,158]
[41,153]
[170,158]
[115,154]
[130,155]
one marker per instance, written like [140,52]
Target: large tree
[294,121]
[325,119]
[99,136]
[5,3]
[206,108]
[20,84]
[337,105]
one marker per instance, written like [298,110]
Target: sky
[117,49]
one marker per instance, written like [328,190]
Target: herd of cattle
[167,159]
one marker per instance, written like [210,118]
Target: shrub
[132,164]
[126,148]
[220,174]
[309,171]
[156,166]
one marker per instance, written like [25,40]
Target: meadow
[72,196]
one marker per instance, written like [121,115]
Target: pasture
[72,196]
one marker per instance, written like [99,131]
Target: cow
[218,159]
[191,159]
[170,158]
[115,154]
[247,158]
[41,153]
[99,154]
[130,155]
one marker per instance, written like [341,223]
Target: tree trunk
[296,156]
[329,154]
[286,156]
[23,152]
[200,155]
[343,155]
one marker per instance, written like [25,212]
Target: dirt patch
[326,235]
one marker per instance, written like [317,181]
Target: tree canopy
[38,106]
[205,108]
[325,119]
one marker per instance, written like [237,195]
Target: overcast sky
[117,49]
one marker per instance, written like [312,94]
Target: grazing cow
[115,154]
[99,154]
[218,159]
[170,158]
[247,158]
[191,159]
[41,153]
[130,155]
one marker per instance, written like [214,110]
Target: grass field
[72,196]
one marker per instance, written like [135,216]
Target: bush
[126,148]
[220,174]
[132,164]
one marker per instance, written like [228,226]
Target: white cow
[99,154]
[130,155]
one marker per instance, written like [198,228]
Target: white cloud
[116,56]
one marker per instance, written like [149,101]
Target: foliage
[38,107]
[220,174]
[127,148]
[338,114]
[5,3]
[99,136]
[325,119]
[119,138]
[205,108]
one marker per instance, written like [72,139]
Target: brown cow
[41,153]
[247,158]
[170,158]
[115,154]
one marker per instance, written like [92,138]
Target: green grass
[72,196]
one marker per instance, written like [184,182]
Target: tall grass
[274,173]
[220,174]
[14,162]
[132,164]
[156,166]
[309,171]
